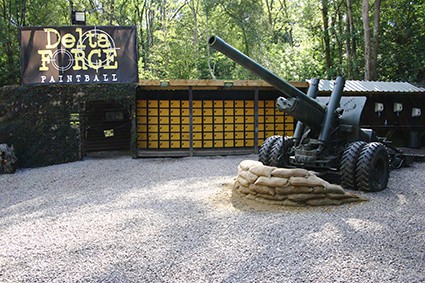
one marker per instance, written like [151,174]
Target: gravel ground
[118,219]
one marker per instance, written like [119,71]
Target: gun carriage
[327,137]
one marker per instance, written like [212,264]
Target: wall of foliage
[37,120]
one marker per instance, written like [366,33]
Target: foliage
[404,41]
[295,39]
[36,120]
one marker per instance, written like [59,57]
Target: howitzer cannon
[328,137]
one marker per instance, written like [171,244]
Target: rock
[8,159]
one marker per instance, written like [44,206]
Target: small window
[114,116]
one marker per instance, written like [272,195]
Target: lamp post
[77,17]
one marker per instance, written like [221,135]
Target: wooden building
[216,117]
[56,124]
[204,117]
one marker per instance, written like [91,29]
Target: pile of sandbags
[291,187]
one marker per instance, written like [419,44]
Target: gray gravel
[118,219]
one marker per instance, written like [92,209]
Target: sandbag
[319,181]
[288,187]
[243,181]
[287,172]
[293,190]
[311,181]
[335,189]
[272,181]
[236,184]
[262,189]
[244,190]
[262,170]
[287,202]
[270,197]
[319,190]
[304,197]
[249,196]
[248,176]
[246,164]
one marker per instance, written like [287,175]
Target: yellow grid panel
[164,124]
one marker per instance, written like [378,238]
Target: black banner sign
[78,55]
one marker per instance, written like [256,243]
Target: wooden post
[191,121]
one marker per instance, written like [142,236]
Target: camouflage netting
[8,160]
[288,187]
[36,119]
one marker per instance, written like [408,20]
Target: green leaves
[286,36]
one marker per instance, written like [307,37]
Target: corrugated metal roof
[368,86]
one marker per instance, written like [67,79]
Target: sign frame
[78,55]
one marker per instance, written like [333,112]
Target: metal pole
[71,8]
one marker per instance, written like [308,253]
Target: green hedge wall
[36,119]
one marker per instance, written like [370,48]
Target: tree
[351,42]
[403,35]
[296,39]
[371,39]
[326,38]
[16,14]
[13,15]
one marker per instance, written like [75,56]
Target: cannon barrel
[296,103]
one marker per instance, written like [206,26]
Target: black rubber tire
[373,169]
[348,164]
[266,148]
[279,155]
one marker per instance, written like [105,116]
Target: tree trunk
[290,31]
[150,20]
[328,63]
[111,12]
[274,19]
[350,41]
[375,44]
[194,7]
[211,66]
[367,41]
[371,48]
[269,13]
[164,22]
[9,33]
[339,39]
[23,13]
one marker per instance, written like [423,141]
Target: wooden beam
[210,84]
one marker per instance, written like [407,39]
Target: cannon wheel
[373,168]
[279,155]
[266,148]
[348,164]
